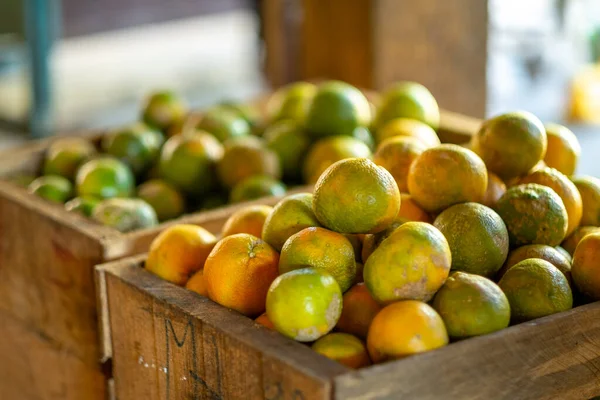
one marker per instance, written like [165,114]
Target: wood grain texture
[337,40]
[46,274]
[35,367]
[440,44]
[556,357]
[281,21]
[200,349]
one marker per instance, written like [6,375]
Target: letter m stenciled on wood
[181,347]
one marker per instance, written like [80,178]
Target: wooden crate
[372,43]
[48,309]
[170,343]
[47,286]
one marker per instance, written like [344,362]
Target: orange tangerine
[447,175]
[249,219]
[197,284]
[403,329]
[343,348]
[396,155]
[179,251]
[358,311]
[586,270]
[239,271]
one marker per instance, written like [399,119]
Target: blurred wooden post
[372,43]
[281,20]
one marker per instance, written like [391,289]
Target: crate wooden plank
[34,367]
[46,279]
[549,358]
[557,357]
[200,349]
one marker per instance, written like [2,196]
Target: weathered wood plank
[207,350]
[556,357]
[34,367]
[46,274]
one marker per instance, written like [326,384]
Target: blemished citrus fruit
[250,220]
[239,271]
[447,175]
[290,143]
[565,254]
[477,237]
[189,162]
[321,249]
[356,196]
[166,200]
[291,215]
[291,102]
[405,328]
[495,189]
[412,263]
[54,188]
[535,288]
[84,205]
[586,270]
[563,149]
[337,108]
[411,128]
[359,309]
[223,124]
[246,158]
[326,152]
[179,252]
[264,320]
[163,109]
[343,348]
[511,144]
[471,305]
[197,283]
[304,304]
[137,145]
[541,251]
[255,187]
[533,214]
[571,242]
[65,155]
[589,188]
[396,155]
[408,100]
[564,188]
[125,215]
[105,178]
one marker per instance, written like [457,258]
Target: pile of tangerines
[422,243]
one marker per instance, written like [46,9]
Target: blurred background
[82,64]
